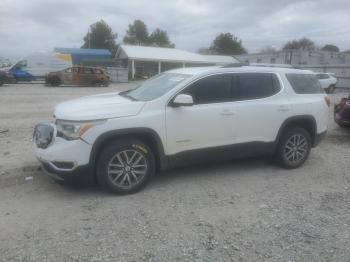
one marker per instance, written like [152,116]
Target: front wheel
[125,167]
[294,148]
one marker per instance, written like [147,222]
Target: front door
[208,123]
[67,76]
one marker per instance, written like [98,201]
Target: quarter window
[211,89]
[304,83]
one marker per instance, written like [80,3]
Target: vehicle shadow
[163,179]
[211,170]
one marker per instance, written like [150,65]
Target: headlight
[71,130]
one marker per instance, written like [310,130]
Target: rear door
[88,75]
[209,122]
[261,107]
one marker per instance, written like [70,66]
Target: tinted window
[322,76]
[257,85]
[304,83]
[211,89]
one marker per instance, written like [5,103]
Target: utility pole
[89,39]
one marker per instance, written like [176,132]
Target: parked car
[6,77]
[342,112]
[78,75]
[181,117]
[327,81]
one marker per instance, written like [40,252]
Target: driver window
[211,89]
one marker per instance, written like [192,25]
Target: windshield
[156,86]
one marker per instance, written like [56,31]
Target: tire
[54,81]
[331,89]
[125,167]
[294,147]
[1,82]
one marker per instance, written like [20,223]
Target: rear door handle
[227,112]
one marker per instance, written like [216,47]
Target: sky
[36,25]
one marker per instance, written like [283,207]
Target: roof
[150,53]
[242,69]
[220,59]
[79,55]
[83,51]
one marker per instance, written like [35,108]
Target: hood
[103,106]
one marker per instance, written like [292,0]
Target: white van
[37,65]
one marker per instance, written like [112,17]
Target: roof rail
[235,65]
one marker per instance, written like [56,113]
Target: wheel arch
[307,122]
[146,135]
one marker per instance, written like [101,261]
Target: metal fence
[117,74]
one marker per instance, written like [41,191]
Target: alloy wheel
[296,148]
[127,168]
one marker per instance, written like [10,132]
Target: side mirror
[182,100]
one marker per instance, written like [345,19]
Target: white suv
[328,81]
[184,116]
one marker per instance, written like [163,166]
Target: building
[146,61]
[337,63]
[297,57]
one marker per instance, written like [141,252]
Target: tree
[227,44]
[329,47]
[160,38]
[301,44]
[137,34]
[204,51]
[100,36]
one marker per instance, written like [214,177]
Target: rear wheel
[294,147]
[331,89]
[125,167]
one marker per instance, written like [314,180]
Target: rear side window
[257,85]
[211,89]
[86,70]
[304,83]
[98,71]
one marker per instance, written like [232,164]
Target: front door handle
[283,108]
[227,112]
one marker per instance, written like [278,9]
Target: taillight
[327,99]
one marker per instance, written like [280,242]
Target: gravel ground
[247,210]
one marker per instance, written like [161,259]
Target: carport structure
[145,61]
